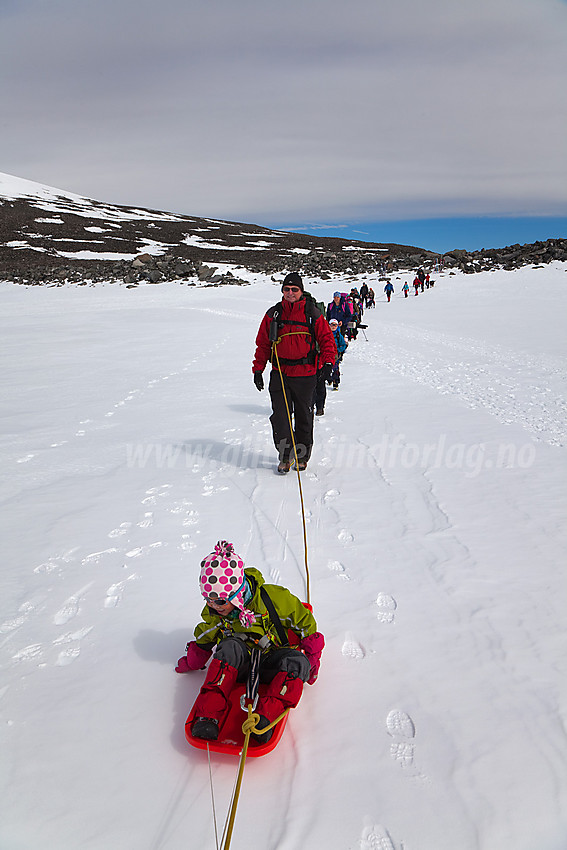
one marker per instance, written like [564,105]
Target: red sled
[231,737]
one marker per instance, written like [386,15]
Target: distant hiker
[287,338]
[236,617]
[405,289]
[364,293]
[336,310]
[389,289]
[427,281]
[370,298]
[416,285]
[342,346]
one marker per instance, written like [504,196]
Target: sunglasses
[217,601]
[291,289]
[222,602]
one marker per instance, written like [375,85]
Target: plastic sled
[231,737]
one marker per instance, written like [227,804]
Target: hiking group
[421,281]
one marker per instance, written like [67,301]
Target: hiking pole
[362,327]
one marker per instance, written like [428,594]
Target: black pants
[299,393]
[320,392]
[236,652]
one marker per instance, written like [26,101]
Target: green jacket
[291,611]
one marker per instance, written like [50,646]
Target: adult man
[287,337]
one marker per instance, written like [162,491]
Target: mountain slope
[48,233]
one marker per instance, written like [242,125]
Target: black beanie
[293,279]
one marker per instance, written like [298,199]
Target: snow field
[133,439]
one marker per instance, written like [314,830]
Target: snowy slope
[55,201]
[133,439]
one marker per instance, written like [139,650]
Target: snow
[133,439]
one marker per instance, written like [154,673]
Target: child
[235,618]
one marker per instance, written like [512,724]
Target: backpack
[346,305]
[312,313]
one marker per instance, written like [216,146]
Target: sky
[436,124]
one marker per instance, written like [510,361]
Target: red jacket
[295,342]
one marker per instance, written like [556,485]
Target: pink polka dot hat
[222,575]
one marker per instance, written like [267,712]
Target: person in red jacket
[293,328]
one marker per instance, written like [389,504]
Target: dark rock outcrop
[61,238]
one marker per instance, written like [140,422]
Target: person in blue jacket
[389,290]
[336,311]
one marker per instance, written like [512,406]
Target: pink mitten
[195,659]
[312,646]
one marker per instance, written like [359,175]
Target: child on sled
[242,611]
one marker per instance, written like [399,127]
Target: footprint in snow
[402,752]
[123,528]
[187,544]
[70,653]
[154,493]
[159,491]
[386,608]
[180,507]
[25,459]
[330,495]
[192,518]
[147,521]
[338,568]
[70,607]
[399,724]
[345,537]
[376,837]
[96,557]
[34,650]
[54,562]
[402,749]
[11,625]
[114,592]
[69,610]
[143,550]
[351,648]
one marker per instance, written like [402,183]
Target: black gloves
[259,381]
[326,371]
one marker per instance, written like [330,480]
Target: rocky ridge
[48,236]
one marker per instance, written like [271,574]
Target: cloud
[322,110]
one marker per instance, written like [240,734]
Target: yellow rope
[252,719]
[247,727]
[308,582]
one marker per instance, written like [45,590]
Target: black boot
[257,737]
[205,727]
